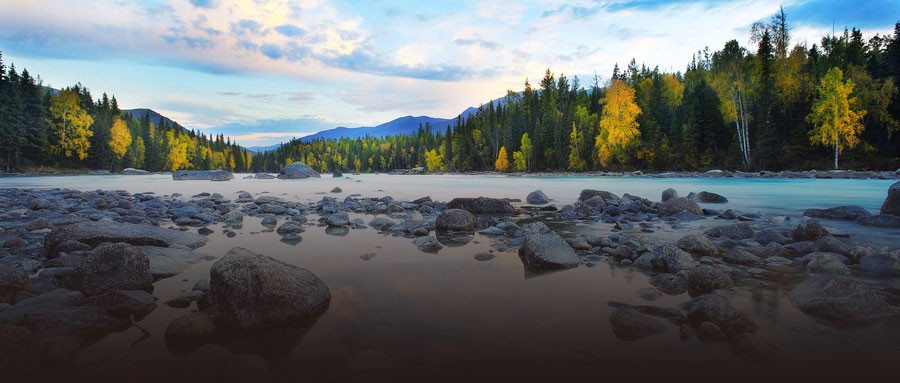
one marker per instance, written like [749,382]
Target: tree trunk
[835,156]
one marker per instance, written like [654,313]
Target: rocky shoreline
[77,265]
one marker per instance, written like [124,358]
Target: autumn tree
[618,121]
[434,160]
[502,163]
[119,140]
[836,122]
[576,142]
[176,156]
[71,125]
[527,150]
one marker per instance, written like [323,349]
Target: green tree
[836,122]
[519,161]
[576,143]
[527,151]
[71,125]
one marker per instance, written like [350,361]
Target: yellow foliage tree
[434,160]
[836,122]
[502,163]
[619,117]
[176,153]
[672,91]
[576,142]
[71,125]
[519,161]
[527,149]
[119,139]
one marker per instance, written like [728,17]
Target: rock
[826,263]
[337,219]
[891,204]
[697,244]
[885,264]
[831,244]
[192,326]
[678,205]
[337,174]
[83,321]
[428,244]
[12,280]
[767,236]
[38,224]
[263,176]
[672,258]
[298,170]
[669,283]
[166,262]
[455,220]
[736,231]
[649,293]
[719,311]
[547,251]
[537,197]
[629,324]
[15,314]
[810,231]
[279,292]
[606,196]
[336,190]
[742,257]
[709,331]
[290,227]
[202,175]
[122,302]
[234,216]
[753,348]
[578,243]
[94,233]
[881,220]
[134,172]
[482,205]
[706,279]
[109,267]
[668,194]
[850,213]
[481,257]
[839,298]
[707,197]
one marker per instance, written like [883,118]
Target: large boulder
[887,264]
[706,279]
[668,194]
[537,197]
[810,231]
[202,175]
[167,262]
[850,213]
[719,311]
[298,170]
[707,197]
[455,220]
[547,251]
[251,291]
[94,233]
[672,259]
[678,205]
[587,194]
[736,231]
[891,204]
[482,205]
[697,244]
[839,298]
[630,324]
[821,262]
[109,267]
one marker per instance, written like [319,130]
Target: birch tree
[836,122]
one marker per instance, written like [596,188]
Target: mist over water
[408,315]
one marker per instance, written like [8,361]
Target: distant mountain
[262,149]
[154,116]
[402,125]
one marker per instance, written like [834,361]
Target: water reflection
[278,341]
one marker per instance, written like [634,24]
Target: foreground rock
[455,220]
[629,324]
[167,262]
[251,291]
[547,251]
[298,170]
[111,266]
[482,205]
[839,298]
[94,233]
[850,212]
[708,197]
[678,205]
[885,264]
[11,281]
[891,204]
[719,311]
[537,197]
[202,175]
[706,279]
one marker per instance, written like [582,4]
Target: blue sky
[265,71]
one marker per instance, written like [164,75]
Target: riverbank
[695,268]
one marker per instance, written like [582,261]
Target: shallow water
[413,316]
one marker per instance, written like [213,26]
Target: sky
[263,72]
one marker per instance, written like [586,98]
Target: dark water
[405,315]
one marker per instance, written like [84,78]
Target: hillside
[154,116]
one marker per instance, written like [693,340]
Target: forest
[782,106]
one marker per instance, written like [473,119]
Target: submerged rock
[94,233]
[251,290]
[428,244]
[629,324]
[719,311]
[839,298]
[547,251]
[482,205]
[697,244]
[706,279]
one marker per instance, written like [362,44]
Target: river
[407,315]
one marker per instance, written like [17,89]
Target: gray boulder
[839,298]
[707,197]
[891,204]
[672,259]
[697,244]
[537,197]
[482,205]
[455,220]
[886,264]
[298,170]
[547,251]
[678,205]
[251,291]
[630,324]
[606,196]
[167,262]
[881,220]
[668,194]
[826,263]
[719,311]
[110,267]
[736,231]
[12,279]
[705,279]
[850,213]
[94,233]
[337,219]
[202,175]
[428,244]
[810,231]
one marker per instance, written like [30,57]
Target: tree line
[783,107]
[68,129]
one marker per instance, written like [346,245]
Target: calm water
[408,315]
